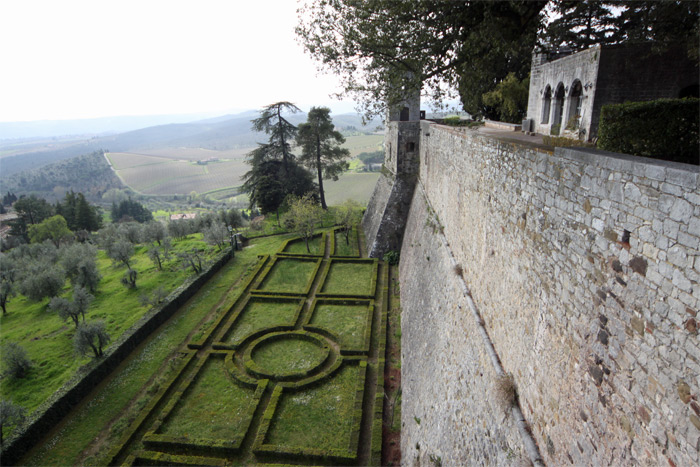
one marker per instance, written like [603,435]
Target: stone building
[568,90]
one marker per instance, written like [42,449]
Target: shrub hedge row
[262,259]
[667,129]
[52,411]
[162,458]
[225,448]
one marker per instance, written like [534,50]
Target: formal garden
[277,363]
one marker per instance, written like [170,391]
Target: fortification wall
[384,221]
[585,268]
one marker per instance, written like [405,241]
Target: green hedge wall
[666,129]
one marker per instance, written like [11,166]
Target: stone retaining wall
[585,268]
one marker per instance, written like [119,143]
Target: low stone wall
[60,404]
[585,268]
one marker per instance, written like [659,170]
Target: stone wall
[448,410]
[585,268]
[582,66]
[384,221]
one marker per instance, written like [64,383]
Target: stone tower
[385,219]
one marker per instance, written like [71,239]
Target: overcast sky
[65,59]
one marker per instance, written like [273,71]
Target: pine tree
[274,173]
[320,145]
[581,24]
[281,131]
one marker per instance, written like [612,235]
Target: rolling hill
[220,133]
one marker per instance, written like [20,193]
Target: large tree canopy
[379,48]
[281,131]
[274,173]
[320,148]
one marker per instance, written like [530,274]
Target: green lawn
[290,275]
[347,321]
[260,313]
[299,246]
[342,247]
[288,355]
[349,278]
[213,407]
[317,418]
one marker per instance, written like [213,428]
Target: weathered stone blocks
[548,245]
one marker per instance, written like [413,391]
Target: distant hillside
[91,126]
[89,174]
[220,133]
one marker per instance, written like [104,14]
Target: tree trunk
[308,250]
[94,350]
[320,173]
[284,147]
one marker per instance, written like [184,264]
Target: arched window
[559,97]
[546,104]
[573,120]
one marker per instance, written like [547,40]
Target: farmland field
[196,154]
[363,143]
[174,171]
[356,186]
[157,175]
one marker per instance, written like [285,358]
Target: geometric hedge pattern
[292,373]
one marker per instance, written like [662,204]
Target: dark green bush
[391,257]
[666,129]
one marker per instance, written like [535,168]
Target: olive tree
[11,415]
[15,360]
[347,215]
[303,215]
[74,309]
[91,336]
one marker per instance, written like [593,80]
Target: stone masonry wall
[585,268]
[448,409]
[384,221]
[582,66]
